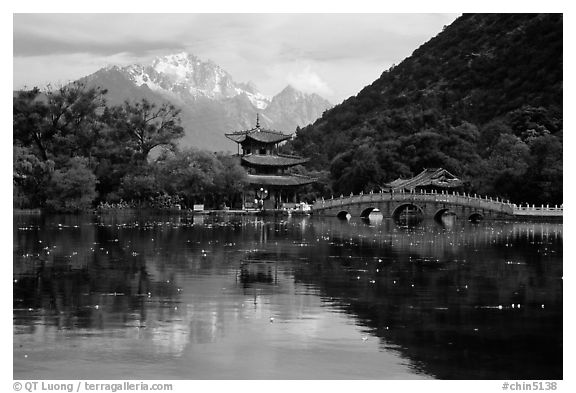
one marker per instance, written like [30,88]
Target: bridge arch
[343,215]
[407,207]
[366,212]
[475,217]
[438,215]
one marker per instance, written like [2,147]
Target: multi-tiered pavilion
[269,184]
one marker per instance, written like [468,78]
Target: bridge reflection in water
[191,297]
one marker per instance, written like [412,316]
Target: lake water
[168,297]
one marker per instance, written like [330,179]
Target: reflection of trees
[120,275]
[441,307]
[433,292]
[82,277]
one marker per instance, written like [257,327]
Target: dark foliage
[71,152]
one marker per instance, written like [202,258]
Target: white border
[297,6]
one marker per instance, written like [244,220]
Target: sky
[333,55]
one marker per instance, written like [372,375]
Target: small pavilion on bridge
[429,179]
[267,178]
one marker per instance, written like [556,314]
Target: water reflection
[247,297]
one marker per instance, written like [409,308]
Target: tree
[462,148]
[545,172]
[30,176]
[114,158]
[139,187]
[531,122]
[320,188]
[59,123]
[231,180]
[490,133]
[28,121]
[145,126]
[189,173]
[425,149]
[506,169]
[357,170]
[75,111]
[72,188]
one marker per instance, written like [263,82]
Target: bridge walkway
[473,202]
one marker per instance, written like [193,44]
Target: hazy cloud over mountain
[331,54]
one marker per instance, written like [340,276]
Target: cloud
[310,82]
[41,34]
[36,45]
[331,54]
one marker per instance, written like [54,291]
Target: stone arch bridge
[429,205]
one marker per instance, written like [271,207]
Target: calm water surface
[164,297]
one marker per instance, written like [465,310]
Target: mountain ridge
[211,102]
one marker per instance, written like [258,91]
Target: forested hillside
[482,99]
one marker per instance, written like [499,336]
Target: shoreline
[247,212]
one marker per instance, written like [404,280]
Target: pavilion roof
[436,177]
[280,160]
[258,134]
[279,180]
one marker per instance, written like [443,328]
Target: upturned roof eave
[257,134]
[279,138]
[236,138]
[428,177]
[280,180]
[273,160]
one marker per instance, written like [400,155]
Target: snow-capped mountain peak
[211,102]
[185,76]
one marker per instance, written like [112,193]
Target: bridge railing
[542,210]
[465,199]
